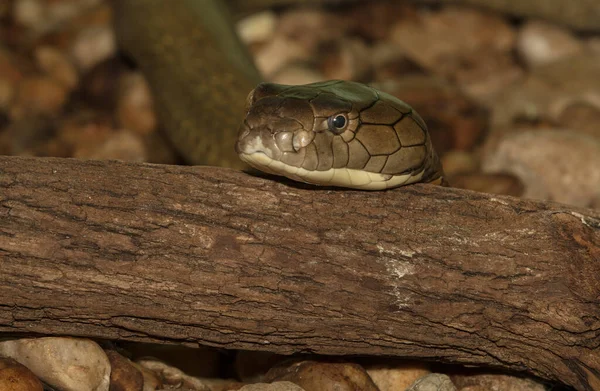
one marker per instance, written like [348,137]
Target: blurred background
[510,91]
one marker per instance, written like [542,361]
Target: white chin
[342,177]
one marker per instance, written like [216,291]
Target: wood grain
[216,257]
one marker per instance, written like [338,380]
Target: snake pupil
[337,123]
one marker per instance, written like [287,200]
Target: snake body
[337,133]
[200,74]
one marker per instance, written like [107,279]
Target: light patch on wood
[587,221]
[397,268]
[499,201]
[395,251]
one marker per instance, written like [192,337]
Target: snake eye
[337,123]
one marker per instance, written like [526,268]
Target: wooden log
[216,257]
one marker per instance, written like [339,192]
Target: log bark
[210,256]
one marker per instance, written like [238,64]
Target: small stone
[124,376]
[389,63]
[276,386]
[39,95]
[439,40]
[152,381]
[553,164]
[28,136]
[501,184]
[257,28]
[540,43]
[593,44]
[135,107]
[373,20]
[483,75]
[459,162]
[29,13]
[581,117]
[433,382]
[311,28]
[10,77]
[172,376]
[485,382]
[297,73]
[278,53]
[346,60]
[17,377]
[314,375]
[548,90]
[84,132]
[93,45]
[201,362]
[123,145]
[69,364]
[397,377]
[54,63]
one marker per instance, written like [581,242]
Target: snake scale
[336,133]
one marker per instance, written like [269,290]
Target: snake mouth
[340,177]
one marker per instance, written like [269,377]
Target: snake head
[335,133]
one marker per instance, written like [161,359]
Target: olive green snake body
[334,133]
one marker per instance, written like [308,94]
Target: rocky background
[512,103]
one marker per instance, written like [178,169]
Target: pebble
[540,43]
[459,162]
[29,13]
[373,20]
[93,45]
[297,73]
[581,117]
[172,376]
[548,90]
[278,53]
[485,382]
[135,105]
[498,183]
[311,28]
[397,377]
[346,60]
[257,28]
[124,376]
[152,381]
[55,64]
[556,165]
[433,382]
[439,40]
[315,375]
[122,145]
[84,132]
[17,377]
[276,386]
[39,95]
[387,62]
[10,77]
[69,364]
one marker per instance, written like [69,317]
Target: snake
[332,133]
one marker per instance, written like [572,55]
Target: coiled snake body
[337,133]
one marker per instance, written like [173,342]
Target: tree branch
[218,257]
